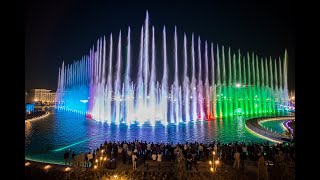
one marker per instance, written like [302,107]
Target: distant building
[43,96]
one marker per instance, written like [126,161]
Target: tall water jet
[164,82]
[250,86]
[219,90]
[213,99]
[258,87]
[186,90]
[171,104]
[254,86]
[276,87]
[272,86]
[139,89]
[235,85]
[117,83]
[268,89]
[146,59]
[281,99]
[285,78]
[224,89]
[229,86]
[109,85]
[246,91]
[206,83]
[180,106]
[152,93]
[176,78]
[129,93]
[193,83]
[263,96]
[200,90]
[241,94]
[84,88]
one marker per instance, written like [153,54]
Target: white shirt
[244,149]
[154,157]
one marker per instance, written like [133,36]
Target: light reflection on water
[63,129]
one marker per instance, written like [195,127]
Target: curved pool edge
[37,118]
[253,125]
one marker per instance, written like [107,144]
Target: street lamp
[212,168]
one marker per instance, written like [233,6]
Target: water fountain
[240,85]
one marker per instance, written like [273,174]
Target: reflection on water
[67,129]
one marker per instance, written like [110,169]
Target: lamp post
[213,154]
[214,164]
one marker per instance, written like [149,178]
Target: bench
[158,164]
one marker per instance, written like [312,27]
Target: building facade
[44,96]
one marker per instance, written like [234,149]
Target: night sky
[58,30]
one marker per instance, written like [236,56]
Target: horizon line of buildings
[42,96]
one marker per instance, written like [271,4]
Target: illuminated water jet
[235,85]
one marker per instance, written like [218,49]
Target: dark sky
[59,30]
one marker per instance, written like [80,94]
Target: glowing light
[47,167]
[95,166]
[210,162]
[37,118]
[238,85]
[97,160]
[217,162]
[105,158]
[27,164]
[67,169]
[211,169]
[60,149]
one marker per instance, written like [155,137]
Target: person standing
[73,158]
[66,157]
[236,159]
[159,157]
[134,161]
[189,161]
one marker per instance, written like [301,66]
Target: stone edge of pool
[254,127]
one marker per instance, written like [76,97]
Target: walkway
[56,171]
[254,126]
